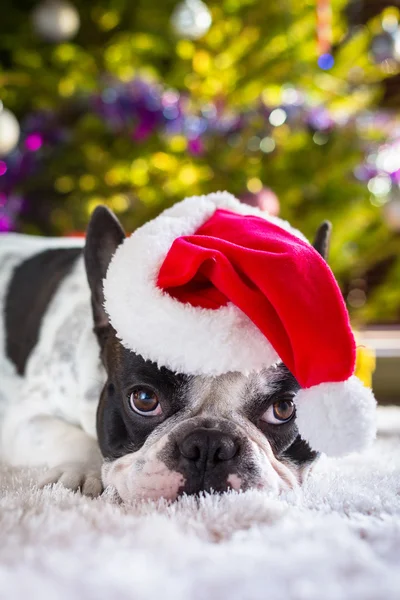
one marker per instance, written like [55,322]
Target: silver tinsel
[191,19]
[9,131]
[55,20]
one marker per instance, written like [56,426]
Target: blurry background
[291,106]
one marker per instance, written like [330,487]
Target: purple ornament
[175,127]
[395,177]
[194,127]
[141,109]
[195,147]
[170,98]
[365,172]
[320,119]
[143,130]
[5,222]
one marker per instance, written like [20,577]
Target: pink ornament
[265,200]
[33,142]
[5,223]
[391,213]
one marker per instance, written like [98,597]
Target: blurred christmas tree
[137,105]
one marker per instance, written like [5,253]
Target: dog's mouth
[235,482]
[280,478]
[212,483]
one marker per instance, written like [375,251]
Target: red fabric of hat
[279,281]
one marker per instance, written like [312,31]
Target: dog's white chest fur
[63,376]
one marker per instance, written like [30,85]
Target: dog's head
[165,433]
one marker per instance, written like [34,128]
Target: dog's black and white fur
[68,389]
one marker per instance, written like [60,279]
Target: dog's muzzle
[207,457]
[205,448]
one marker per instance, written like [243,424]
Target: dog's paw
[75,476]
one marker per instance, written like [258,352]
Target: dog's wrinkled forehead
[235,392]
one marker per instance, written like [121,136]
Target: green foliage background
[253,49]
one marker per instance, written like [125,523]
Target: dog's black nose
[208,446]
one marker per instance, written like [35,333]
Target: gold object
[365,364]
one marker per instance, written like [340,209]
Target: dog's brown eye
[283,410]
[279,412]
[145,402]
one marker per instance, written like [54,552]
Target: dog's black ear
[322,239]
[104,235]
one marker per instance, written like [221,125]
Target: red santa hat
[213,286]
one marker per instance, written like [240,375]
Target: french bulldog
[74,400]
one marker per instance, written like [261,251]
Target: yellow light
[320,138]
[139,178]
[139,172]
[171,187]
[272,94]
[281,133]
[201,62]
[64,184]
[163,161]
[113,177]
[126,73]
[185,49]
[142,41]
[390,19]
[254,185]
[108,20]
[215,37]
[93,202]
[232,5]
[66,87]
[223,61]
[234,25]
[188,175]
[119,202]
[65,52]
[87,183]
[213,86]
[93,153]
[148,195]
[206,173]
[365,364]
[191,81]
[140,164]
[177,143]
[113,54]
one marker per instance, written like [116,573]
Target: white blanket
[338,539]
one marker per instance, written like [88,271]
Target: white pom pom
[337,418]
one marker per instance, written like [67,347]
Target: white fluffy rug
[338,539]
